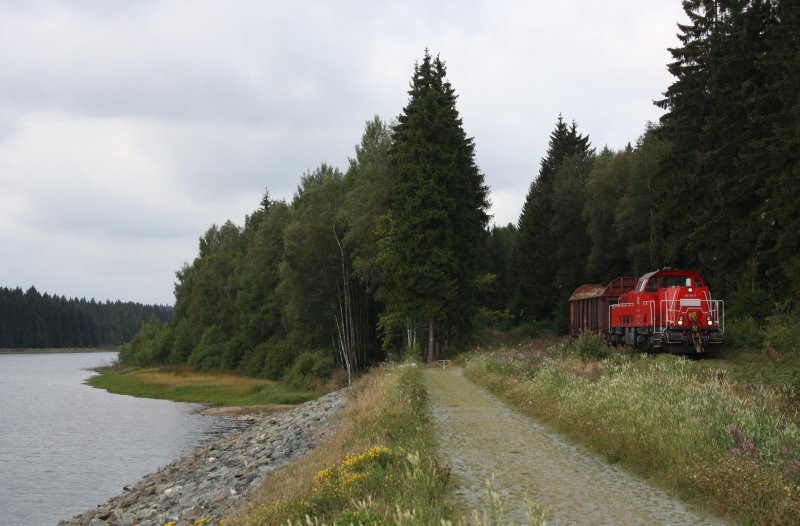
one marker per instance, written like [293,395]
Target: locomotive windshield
[664,282]
[675,281]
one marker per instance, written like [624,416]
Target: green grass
[699,431]
[757,368]
[187,385]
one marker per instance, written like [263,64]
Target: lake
[66,447]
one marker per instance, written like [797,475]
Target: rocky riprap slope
[217,477]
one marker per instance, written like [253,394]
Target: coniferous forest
[396,251]
[31,320]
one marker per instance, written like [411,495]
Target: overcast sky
[128,127]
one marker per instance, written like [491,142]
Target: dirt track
[480,436]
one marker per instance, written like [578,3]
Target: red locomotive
[669,309]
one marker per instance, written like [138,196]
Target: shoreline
[214,479]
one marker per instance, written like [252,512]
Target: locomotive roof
[672,272]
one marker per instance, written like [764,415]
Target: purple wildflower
[737,435]
[751,449]
[773,352]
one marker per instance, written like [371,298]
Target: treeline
[30,320]
[395,252]
[714,186]
[390,254]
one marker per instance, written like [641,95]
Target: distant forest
[30,320]
[396,252]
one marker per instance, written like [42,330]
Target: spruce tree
[711,188]
[433,241]
[534,263]
[779,212]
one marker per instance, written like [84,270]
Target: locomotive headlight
[709,321]
[680,320]
[691,289]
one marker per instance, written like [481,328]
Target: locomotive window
[652,285]
[674,281]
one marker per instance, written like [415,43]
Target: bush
[208,353]
[309,368]
[252,363]
[782,334]
[235,349]
[151,345]
[533,329]
[591,345]
[183,344]
[494,318]
[279,355]
[744,333]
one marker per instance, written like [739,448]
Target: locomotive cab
[668,310]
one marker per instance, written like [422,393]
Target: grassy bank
[690,426]
[378,469]
[185,384]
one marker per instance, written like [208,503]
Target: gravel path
[480,436]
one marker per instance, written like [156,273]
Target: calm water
[66,447]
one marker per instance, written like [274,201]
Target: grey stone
[212,479]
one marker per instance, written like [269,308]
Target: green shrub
[279,355]
[235,349]
[183,344]
[150,346]
[534,329]
[493,318]
[591,345]
[782,334]
[208,353]
[252,363]
[744,333]
[309,368]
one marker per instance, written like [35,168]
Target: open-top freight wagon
[669,309]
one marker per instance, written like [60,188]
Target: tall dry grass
[378,468]
[664,417]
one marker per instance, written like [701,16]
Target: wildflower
[737,435]
[751,448]
[773,352]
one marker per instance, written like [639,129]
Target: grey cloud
[130,127]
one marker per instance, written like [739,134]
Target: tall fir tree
[712,186]
[777,153]
[433,241]
[534,263]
